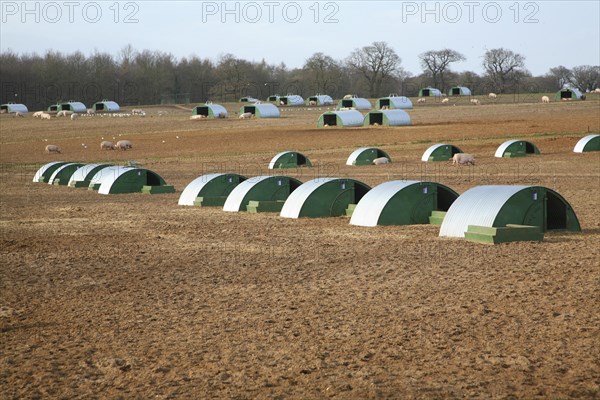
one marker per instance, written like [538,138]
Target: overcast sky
[548,33]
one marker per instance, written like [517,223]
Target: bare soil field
[134,297]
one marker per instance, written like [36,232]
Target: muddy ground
[132,296]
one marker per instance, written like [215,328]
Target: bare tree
[375,64]
[503,67]
[323,72]
[436,62]
[561,75]
[585,77]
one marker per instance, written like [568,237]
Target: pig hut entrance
[445,198]
[347,103]
[375,118]
[202,110]
[566,94]
[425,92]
[100,107]
[556,212]
[330,119]
[250,109]
[384,103]
[152,179]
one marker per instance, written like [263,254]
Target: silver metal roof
[293,100]
[264,110]
[217,109]
[189,194]
[109,106]
[358,103]
[477,206]
[235,198]
[14,107]
[369,208]
[322,99]
[348,118]
[582,142]
[295,201]
[53,176]
[399,102]
[38,175]
[574,90]
[464,91]
[354,155]
[83,172]
[274,159]
[76,106]
[502,148]
[109,176]
[431,149]
[434,92]
[395,117]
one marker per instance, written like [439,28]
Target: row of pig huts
[517,212]
[103,106]
[487,214]
[392,101]
[434,153]
[566,93]
[103,178]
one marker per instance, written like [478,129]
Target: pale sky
[548,33]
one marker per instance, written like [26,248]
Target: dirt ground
[134,297]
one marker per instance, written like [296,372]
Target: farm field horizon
[133,296]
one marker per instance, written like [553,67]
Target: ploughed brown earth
[132,296]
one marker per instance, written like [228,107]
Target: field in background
[131,295]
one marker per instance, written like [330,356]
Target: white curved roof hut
[430,92]
[71,105]
[516,148]
[402,203]
[212,188]
[210,110]
[106,106]
[110,172]
[248,99]
[261,110]
[45,171]
[83,175]
[260,188]
[569,94]
[289,159]
[499,206]
[13,108]
[365,156]
[393,101]
[320,100]
[587,143]
[440,152]
[63,174]
[117,180]
[291,100]
[357,102]
[387,118]
[323,197]
[460,91]
[348,118]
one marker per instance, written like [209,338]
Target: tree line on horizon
[154,77]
